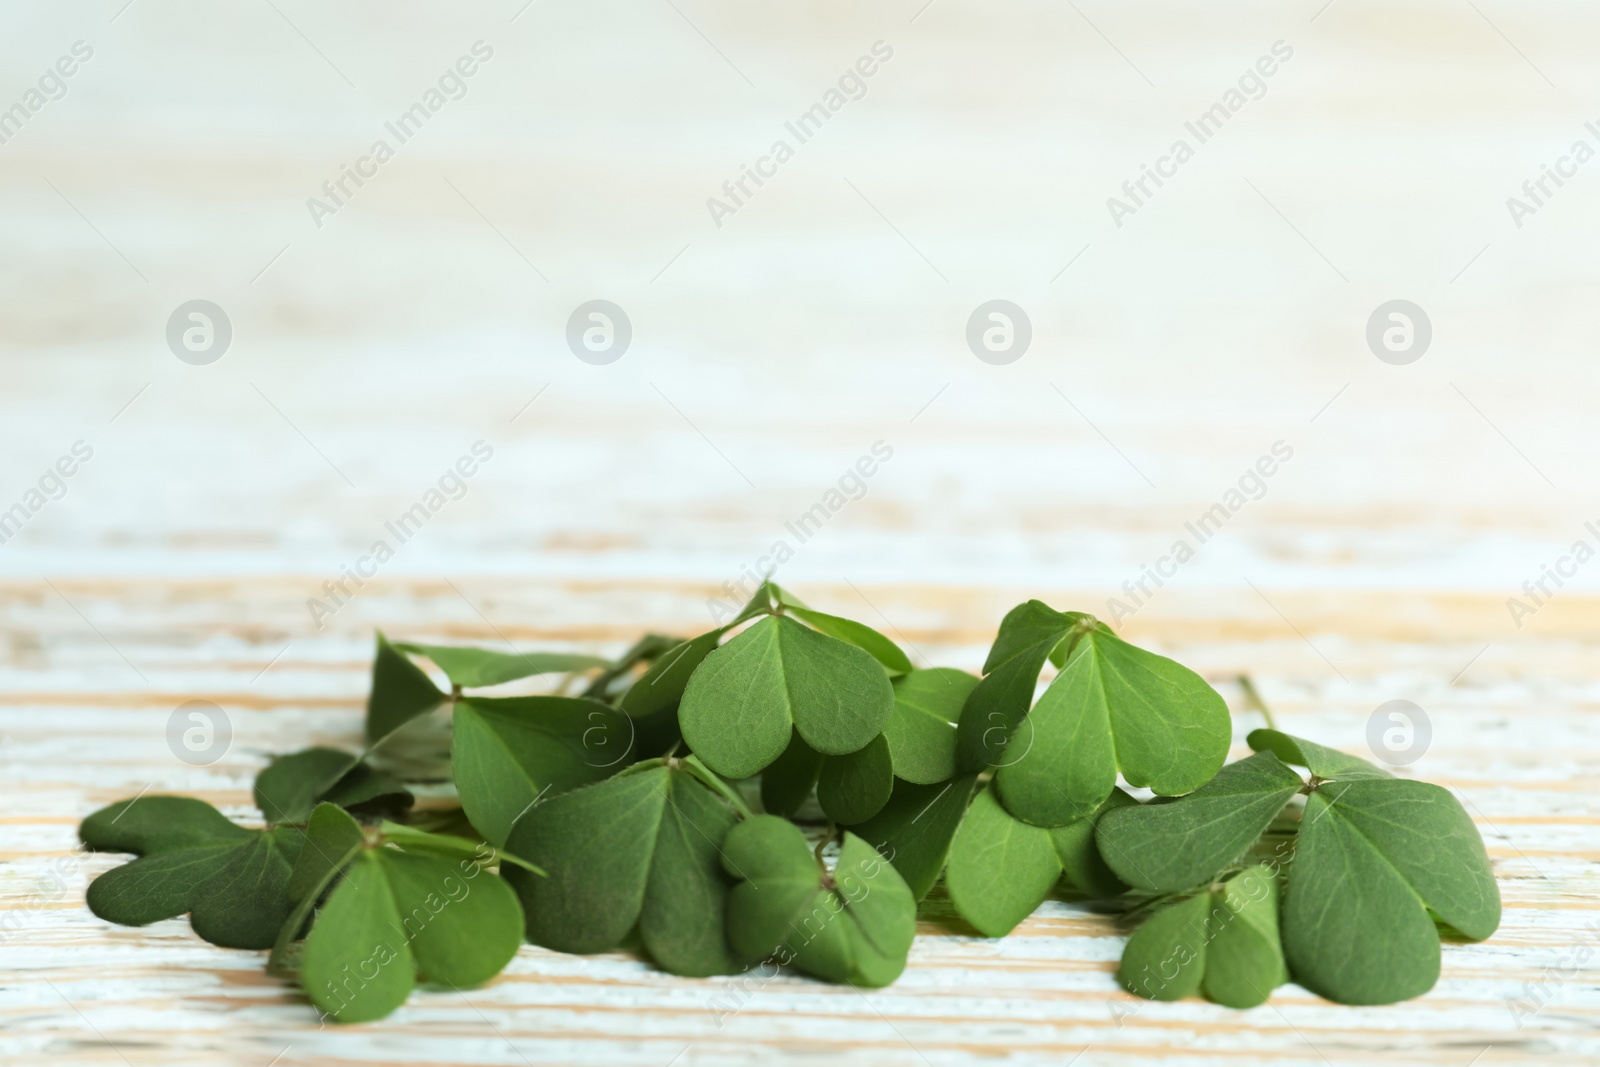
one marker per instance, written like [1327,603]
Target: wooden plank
[770,353]
[1521,752]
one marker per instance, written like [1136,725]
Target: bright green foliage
[1318,759]
[334,839]
[850,789]
[921,731]
[743,702]
[638,850]
[1378,858]
[852,924]
[395,915]
[509,752]
[1165,957]
[400,692]
[1081,861]
[451,847]
[915,828]
[1183,843]
[879,647]
[854,788]
[1028,634]
[789,779]
[612,681]
[1244,962]
[1113,707]
[476,668]
[885,651]
[291,786]
[599,819]
[661,686]
[232,882]
[1222,942]
[1000,868]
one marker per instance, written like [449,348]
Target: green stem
[1253,698]
[720,787]
[821,866]
[277,962]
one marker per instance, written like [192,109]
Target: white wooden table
[828,313]
[1514,735]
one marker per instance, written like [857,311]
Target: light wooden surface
[826,315]
[1514,735]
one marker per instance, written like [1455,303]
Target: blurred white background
[768,353]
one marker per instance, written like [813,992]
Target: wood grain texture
[1519,746]
[770,353]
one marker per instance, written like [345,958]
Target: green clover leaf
[746,699]
[1183,843]
[1000,869]
[508,752]
[921,730]
[289,787]
[1377,859]
[232,882]
[637,850]
[850,788]
[1112,708]
[852,924]
[399,911]
[1223,942]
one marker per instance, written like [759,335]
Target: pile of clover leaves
[623,818]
